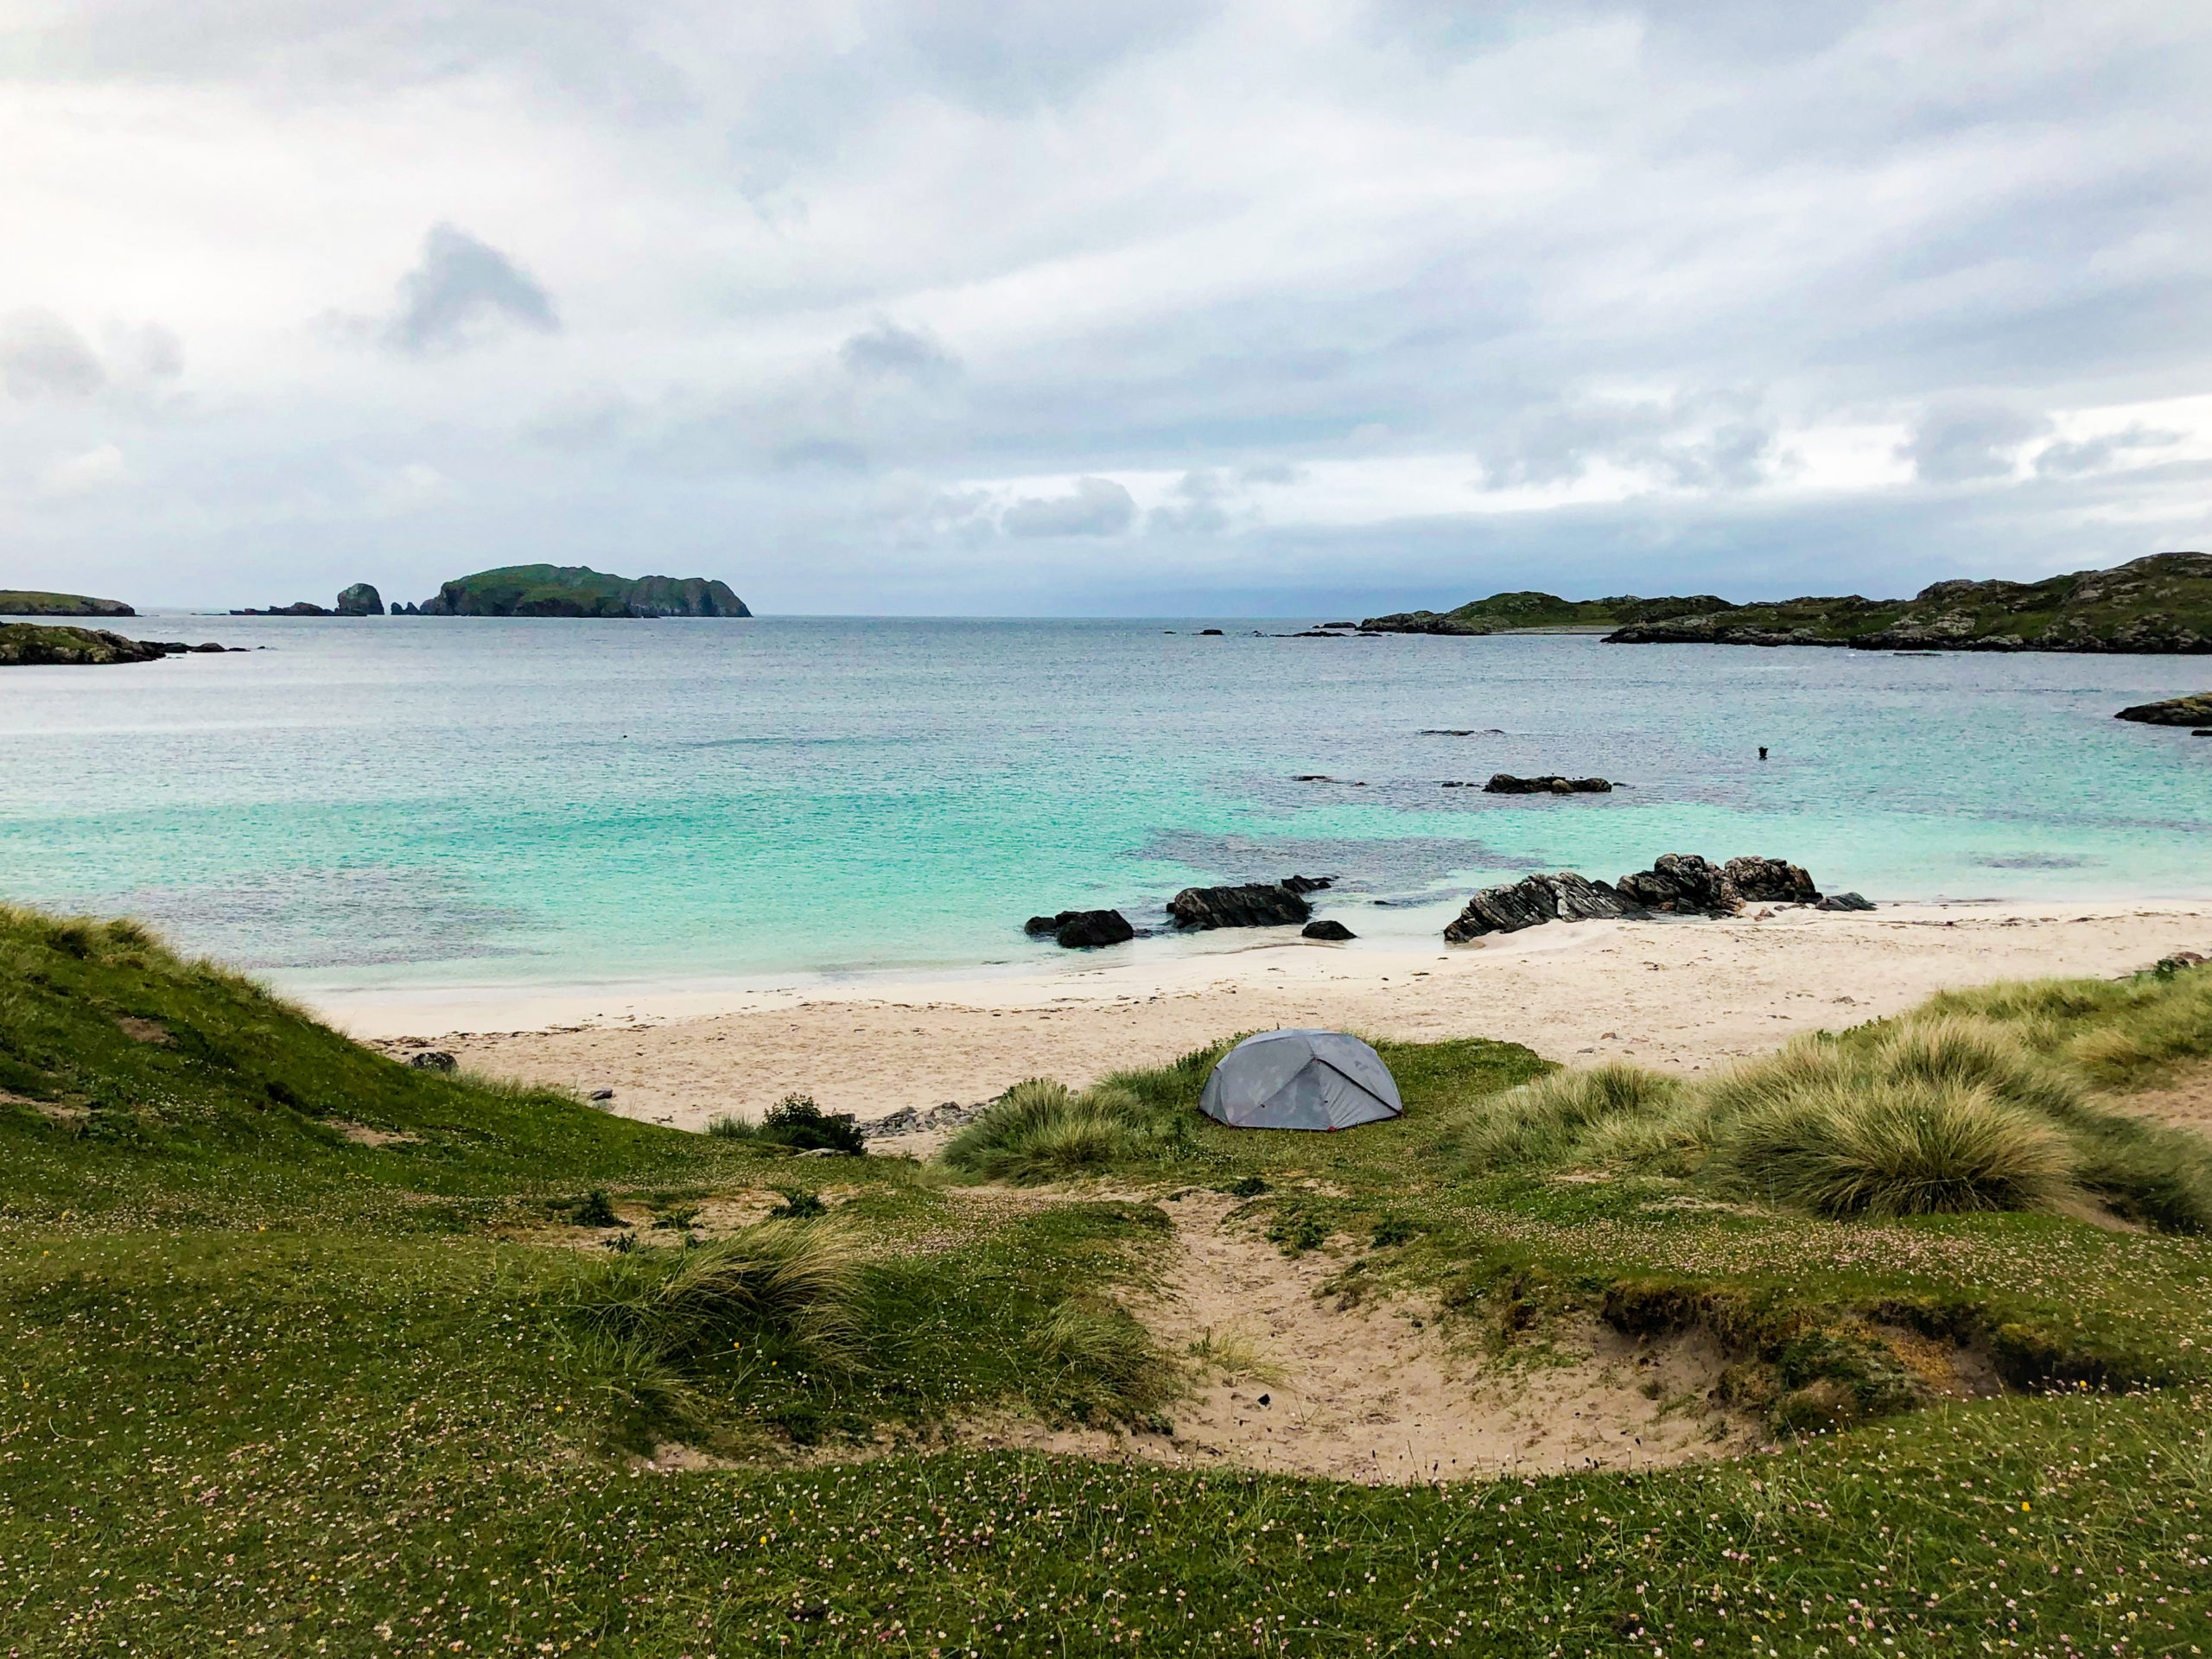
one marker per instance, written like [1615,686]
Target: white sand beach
[1683,995]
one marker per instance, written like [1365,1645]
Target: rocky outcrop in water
[360,600]
[1082,930]
[1254,904]
[1334,931]
[301,608]
[1504,783]
[2175,711]
[31,645]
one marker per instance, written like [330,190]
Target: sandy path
[1365,1390]
[1683,996]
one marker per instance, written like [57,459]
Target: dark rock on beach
[1254,904]
[1082,930]
[433,1059]
[1326,929]
[1770,881]
[1504,783]
[1682,884]
[1844,901]
[2175,711]
[1535,899]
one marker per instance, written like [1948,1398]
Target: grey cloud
[1098,506]
[461,289]
[1199,509]
[886,350]
[1720,440]
[2072,459]
[1960,443]
[41,356]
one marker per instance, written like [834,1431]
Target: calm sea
[408,802]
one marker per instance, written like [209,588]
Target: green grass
[272,1390]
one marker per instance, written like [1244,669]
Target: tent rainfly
[1300,1080]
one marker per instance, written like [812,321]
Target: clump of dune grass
[1040,1130]
[1893,1147]
[795,1281]
[1097,1360]
[1235,1356]
[1546,1122]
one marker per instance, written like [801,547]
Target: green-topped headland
[578,590]
[2161,603]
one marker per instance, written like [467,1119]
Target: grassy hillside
[577,590]
[2163,603]
[19,601]
[308,1353]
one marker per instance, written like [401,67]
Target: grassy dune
[307,1352]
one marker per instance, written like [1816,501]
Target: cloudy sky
[1160,307]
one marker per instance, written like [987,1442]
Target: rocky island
[27,644]
[18,601]
[577,590]
[1535,613]
[2161,603]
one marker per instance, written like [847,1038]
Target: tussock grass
[1040,1130]
[1102,1363]
[1545,1122]
[1977,1101]
[795,1281]
[1235,1356]
[1897,1146]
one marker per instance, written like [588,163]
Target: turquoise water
[542,803]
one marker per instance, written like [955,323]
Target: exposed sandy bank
[1685,997]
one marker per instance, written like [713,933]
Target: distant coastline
[2161,603]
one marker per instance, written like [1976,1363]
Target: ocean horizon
[405,804]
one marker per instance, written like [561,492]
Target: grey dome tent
[1300,1080]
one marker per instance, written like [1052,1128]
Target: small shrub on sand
[1040,1130]
[1896,1148]
[795,1122]
[796,1281]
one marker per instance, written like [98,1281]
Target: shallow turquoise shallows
[417,802]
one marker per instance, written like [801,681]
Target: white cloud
[83,473]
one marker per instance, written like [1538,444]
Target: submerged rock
[1326,929]
[1307,883]
[1504,783]
[1254,904]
